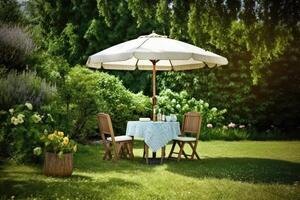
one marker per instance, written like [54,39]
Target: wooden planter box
[55,166]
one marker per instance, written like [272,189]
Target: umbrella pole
[154,96]
[154,89]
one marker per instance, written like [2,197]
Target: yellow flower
[75,148]
[66,141]
[51,136]
[60,133]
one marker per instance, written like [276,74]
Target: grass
[228,170]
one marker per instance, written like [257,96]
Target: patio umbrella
[157,53]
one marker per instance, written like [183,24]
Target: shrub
[52,68]
[120,103]
[15,46]
[20,131]
[180,103]
[230,134]
[82,97]
[10,12]
[18,88]
[86,92]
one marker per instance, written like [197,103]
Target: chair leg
[172,149]
[194,149]
[184,154]
[110,151]
[107,154]
[129,150]
[130,146]
[106,157]
[181,145]
[117,149]
[122,151]
[125,150]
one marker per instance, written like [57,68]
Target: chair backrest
[191,123]
[105,126]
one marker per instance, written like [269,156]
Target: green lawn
[228,170]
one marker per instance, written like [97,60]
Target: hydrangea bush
[170,102]
[21,129]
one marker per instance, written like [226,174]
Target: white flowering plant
[231,131]
[20,130]
[180,103]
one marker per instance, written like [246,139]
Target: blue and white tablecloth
[155,134]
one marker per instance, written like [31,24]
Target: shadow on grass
[253,170]
[74,187]
[90,159]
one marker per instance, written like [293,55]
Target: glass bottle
[163,117]
[159,115]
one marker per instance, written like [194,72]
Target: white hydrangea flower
[20,120]
[242,126]
[231,125]
[209,125]
[214,109]
[20,116]
[28,105]
[36,118]
[37,151]
[11,111]
[14,120]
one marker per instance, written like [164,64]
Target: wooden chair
[191,124]
[121,146]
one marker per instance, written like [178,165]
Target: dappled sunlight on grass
[242,170]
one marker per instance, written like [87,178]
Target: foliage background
[260,38]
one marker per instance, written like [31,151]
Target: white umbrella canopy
[169,54]
[157,53]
